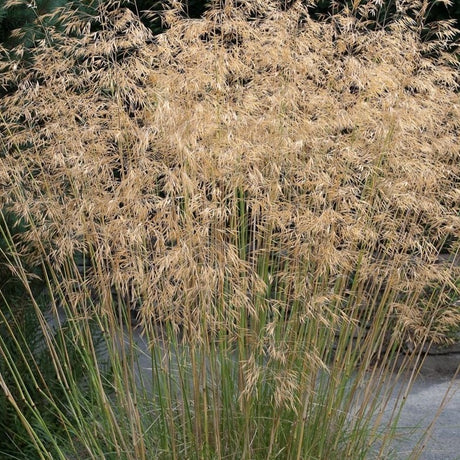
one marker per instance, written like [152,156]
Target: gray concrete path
[434,394]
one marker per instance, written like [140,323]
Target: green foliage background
[22,15]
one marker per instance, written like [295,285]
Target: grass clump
[271,196]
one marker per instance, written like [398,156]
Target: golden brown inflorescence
[265,166]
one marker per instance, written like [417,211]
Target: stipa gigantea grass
[271,195]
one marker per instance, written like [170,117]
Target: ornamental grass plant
[269,201]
